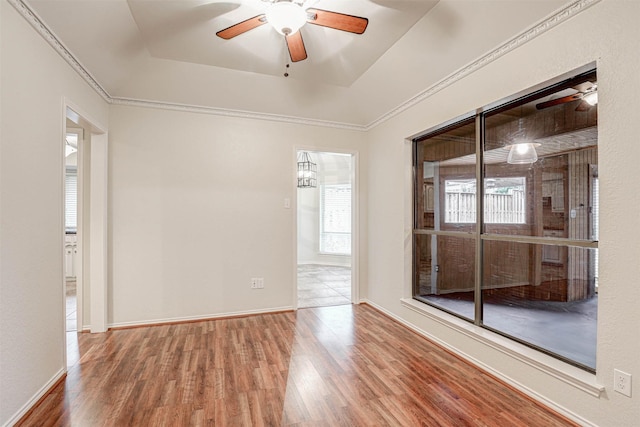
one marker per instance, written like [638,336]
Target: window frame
[480,235]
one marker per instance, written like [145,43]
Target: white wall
[608,34]
[308,225]
[34,80]
[196,204]
[197,210]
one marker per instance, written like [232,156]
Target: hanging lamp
[307,171]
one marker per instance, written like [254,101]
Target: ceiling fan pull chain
[286,57]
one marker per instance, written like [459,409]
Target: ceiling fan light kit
[288,16]
[587,92]
[591,98]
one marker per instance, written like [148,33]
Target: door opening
[72,257]
[84,180]
[325,218]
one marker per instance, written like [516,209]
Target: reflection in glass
[539,189]
[504,201]
[441,158]
[446,272]
[557,183]
[543,295]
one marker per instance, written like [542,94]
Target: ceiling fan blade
[559,101]
[297,51]
[338,21]
[242,27]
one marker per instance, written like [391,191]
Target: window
[72,139]
[504,201]
[71,200]
[335,219]
[525,268]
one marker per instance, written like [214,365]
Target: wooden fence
[498,208]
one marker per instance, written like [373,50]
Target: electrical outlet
[622,382]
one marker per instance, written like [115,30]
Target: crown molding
[132,102]
[531,33]
[46,33]
[551,21]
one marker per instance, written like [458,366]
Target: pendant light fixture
[307,171]
[523,153]
[521,150]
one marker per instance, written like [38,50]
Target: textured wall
[34,81]
[605,33]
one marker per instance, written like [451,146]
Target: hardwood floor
[331,366]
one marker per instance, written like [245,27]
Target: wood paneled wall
[581,170]
[519,267]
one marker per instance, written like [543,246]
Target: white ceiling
[167,51]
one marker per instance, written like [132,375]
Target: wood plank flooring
[331,366]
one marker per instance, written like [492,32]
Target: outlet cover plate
[622,382]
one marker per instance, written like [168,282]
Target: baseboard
[532,394]
[36,398]
[185,319]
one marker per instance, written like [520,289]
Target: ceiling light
[591,98]
[286,17]
[306,171]
[522,153]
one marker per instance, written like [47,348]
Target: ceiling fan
[587,92]
[288,16]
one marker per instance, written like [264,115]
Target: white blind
[71,201]
[335,219]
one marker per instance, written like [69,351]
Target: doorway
[72,257]
[325,219]
[84,234]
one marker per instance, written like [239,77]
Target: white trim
[294,234]
[80,243]
[34,399]
[203,317]
[38,24]
[513,43]
[541,27]
[96,278]
[98,230]
[568,374]
[355,227]
[217,111]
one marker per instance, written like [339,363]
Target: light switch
[287,203]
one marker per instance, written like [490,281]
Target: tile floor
[323,285]
[72,307]
[564,328]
